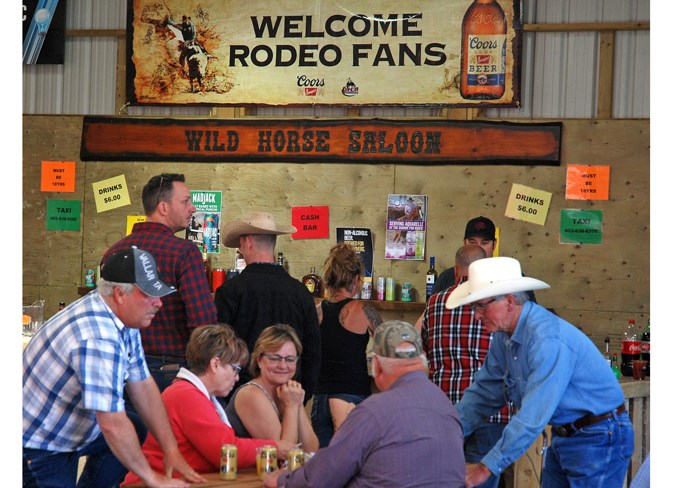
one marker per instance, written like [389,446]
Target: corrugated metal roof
[559,70]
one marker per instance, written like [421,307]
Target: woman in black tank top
[345,327]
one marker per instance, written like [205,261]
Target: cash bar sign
[324,52]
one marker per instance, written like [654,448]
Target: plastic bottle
[614,366]
[630,348]
[645,346]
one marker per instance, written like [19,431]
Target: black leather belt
[570,429]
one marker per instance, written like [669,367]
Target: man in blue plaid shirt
[75,369]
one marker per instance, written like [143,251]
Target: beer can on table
[228,462]
[381,288]
[267,460]
[296,458]
[218,278]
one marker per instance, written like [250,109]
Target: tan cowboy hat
[253,223]
[492,277]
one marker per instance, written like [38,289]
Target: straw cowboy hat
[253,223]
[492,277]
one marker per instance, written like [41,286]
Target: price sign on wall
[111,193]
[528,204]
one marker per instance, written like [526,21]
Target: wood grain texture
[596,287]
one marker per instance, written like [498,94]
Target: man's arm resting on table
[121,437]
[148,403]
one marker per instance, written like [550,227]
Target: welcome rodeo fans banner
[333,52]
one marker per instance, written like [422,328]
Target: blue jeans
[320,414]
[596,456]
[479,443]
[43,468]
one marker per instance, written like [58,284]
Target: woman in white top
[271,405]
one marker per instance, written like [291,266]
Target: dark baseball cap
[480,227]
[135,266]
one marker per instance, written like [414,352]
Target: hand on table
[270,480]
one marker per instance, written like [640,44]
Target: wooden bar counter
[527,469]
[246,478]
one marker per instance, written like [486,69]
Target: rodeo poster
[333,52]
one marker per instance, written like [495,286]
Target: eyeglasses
[482,306]
[236,367]
[277,359]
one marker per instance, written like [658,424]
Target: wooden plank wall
[596,287]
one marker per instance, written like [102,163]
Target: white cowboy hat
[253,223]
[492,277]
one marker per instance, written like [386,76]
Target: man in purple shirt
[168,208]
[409,435]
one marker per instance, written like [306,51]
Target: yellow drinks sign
[528,204]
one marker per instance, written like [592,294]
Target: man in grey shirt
[409,435]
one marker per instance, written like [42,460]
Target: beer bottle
[606,351]
[630,348]
[208,267]
[483,44]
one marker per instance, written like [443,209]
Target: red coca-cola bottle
[630,348]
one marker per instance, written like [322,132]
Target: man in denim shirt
[553,373]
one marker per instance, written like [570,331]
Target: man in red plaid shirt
[456,345]
[169,208]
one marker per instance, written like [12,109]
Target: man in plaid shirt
[456,345]
[74,371]
[169,208]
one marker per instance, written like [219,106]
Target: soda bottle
[606,351]
[483,43]
[430,279]
[645,345]
[614,366]
[630,348]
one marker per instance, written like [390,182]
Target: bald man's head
[464,256]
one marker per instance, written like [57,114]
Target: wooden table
[246,478]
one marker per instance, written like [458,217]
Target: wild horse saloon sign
[319,141]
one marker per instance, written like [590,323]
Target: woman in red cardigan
[214,355]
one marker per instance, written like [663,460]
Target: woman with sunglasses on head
[270,406]
[214,355]
[345,327]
